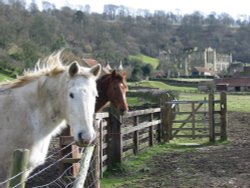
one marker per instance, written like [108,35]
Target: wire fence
[46,175]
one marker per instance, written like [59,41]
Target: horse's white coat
[35,111]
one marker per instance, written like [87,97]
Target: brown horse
[112,87]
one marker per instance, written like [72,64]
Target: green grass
[161,85]
[134,101]
[236,103]
[147,60]
[191,79]
[133,168]
[4,77]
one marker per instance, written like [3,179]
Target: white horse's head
[81,99]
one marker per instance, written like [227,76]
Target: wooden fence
[124,136]
[196,119]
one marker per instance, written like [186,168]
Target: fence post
[211,117]
[151,131]
[223,107]
[166,122]
[136,136]
[114,140]
[19,164]
[95,169]
[84,166]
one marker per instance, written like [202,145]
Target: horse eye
[71,95]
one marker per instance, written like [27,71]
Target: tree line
[27,34]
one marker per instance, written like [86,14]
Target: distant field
[236,103]
[191,79]
[146,59]
[161,85]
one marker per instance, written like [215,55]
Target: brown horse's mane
[102,86]
[107,77]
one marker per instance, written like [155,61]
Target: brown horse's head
[117,91]
[112,87]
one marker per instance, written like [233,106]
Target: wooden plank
[167,122]
[101,147]
[191,136]
[104,145]
[211,117]
[143,136]
[127,130]
[189,129]
[182,121]
[128,142]
[127,153]
[223,108]
[188,118]
[136,135]
[190,121]
[188,112]
[187,102]
[66,140]
[84,166]
[20,160]
[151,132]
[101,115]
[104,158]
[115,147]
[193,119]
[141,112]
[104,168]
[75,154]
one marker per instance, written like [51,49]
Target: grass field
[146,59]
[237,103]
[124,172]
[161,85]
[4,77]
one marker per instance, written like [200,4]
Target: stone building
[184,62]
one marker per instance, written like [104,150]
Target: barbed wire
[57,179]
[20,173]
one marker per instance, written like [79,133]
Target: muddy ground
[226,166]
[212,166]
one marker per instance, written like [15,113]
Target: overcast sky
[233,7]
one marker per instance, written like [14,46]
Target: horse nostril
[79,136]
[122,110]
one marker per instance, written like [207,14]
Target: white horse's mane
[49,66]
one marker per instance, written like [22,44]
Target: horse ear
[96,70]
[124,74]
[73,68]
[113,73]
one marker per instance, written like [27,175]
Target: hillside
[113,36]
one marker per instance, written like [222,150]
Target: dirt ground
[226,166]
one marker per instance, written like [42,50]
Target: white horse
[39,104]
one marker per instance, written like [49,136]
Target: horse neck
[102,88]
[50,100]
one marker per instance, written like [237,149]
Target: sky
[235,8]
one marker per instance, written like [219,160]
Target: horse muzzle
[84,140]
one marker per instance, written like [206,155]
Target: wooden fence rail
[122,136]
[208,117]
